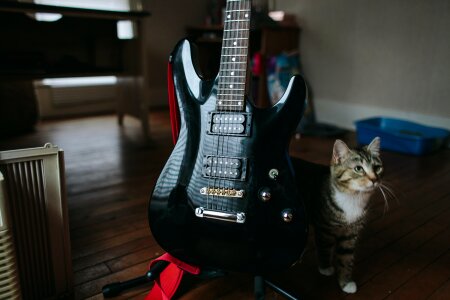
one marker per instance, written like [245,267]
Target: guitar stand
[114,289]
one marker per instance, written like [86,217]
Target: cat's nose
[374,180]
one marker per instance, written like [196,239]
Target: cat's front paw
[349,287]
[326,271]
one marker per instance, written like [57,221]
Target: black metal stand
[114,289]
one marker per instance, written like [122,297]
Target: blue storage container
[402,136]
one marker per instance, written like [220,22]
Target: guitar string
[230,50]
[239,51]
[227,36]
[235,80]
[232,84]
[240,41]
[225,83]
[217,179]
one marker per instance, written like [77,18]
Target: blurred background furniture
[77,43]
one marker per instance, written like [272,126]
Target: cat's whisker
[386,203]
[390,187]
[391,193]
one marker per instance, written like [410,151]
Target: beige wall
[162,30]
[376,57]
[361,57]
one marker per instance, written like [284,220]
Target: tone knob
[265,194]
[287,215]
[273,174]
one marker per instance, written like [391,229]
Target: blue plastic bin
[401,136]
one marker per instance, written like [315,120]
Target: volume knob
[265,194]
[287,215]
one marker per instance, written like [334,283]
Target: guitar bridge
[222,192]
[219,215]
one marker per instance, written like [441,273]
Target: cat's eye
[378,169]
[359,169]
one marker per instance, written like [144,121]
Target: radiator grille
[37,213]
[9,281]
[25,185]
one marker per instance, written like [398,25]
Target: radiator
[70,100]
[9,275]
[34,198]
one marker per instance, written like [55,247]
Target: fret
[232,43]
[234,101]
[232,72]
[230,105]
[244,55]
[236,38]
[233,10]
[233,89]
[236,29]
[237,20]
[225,87]
[228,83]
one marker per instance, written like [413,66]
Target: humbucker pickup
[229,123]
[233,168]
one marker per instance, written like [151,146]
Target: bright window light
[45,17]
[80,81]
[114,5]
[126,30]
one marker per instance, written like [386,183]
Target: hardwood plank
[102,245]
[94,287]
[422,285]
[394,276]
[111,253]
[143,255]
[90,273]
[442,292]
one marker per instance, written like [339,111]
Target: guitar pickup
[233,168]
[229,123]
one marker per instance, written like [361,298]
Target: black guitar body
[262,226]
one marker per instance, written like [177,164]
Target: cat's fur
[336,199]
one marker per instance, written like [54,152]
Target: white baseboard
[345,114]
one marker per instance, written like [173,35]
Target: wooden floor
[404,253]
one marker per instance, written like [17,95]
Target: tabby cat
[337,199]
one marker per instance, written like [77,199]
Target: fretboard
[233,61]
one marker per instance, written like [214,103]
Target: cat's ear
[374,146]
[340,151]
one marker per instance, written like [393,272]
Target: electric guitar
[226,197]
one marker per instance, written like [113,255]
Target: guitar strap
[173,105]
[169,279]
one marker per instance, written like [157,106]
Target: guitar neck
[234,57]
